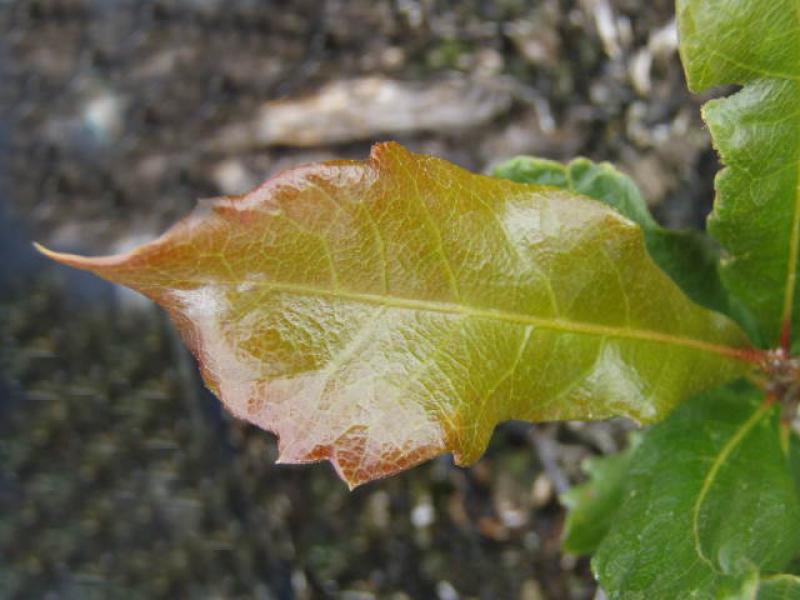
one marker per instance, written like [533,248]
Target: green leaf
[752,586]
[378,313]
[779,587]
[756,216]
[794,458]
[600,181]
[710,498]
[593,505]
[690,258]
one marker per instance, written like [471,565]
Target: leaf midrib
[711,476]
[555,324]
[791,267]
[794,249]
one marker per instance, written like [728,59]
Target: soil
[120,476]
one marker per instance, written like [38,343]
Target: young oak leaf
[377,313]
[756,131]
[709,501]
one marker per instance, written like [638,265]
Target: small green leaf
[710,498]
[690,258]
[377,313]
[600,181]
[593,504]
[756,216]
[779,587]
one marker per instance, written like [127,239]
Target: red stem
[786,337]
[755,356]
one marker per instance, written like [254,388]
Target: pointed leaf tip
[103,266]
[377,313]
[61,257]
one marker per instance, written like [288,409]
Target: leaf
[378,313]
[593,505]
[779,587]
[794,458]
[756,131]
[600,181]
[751,586]
[710,497]
[690,258]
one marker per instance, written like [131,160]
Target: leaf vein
[493,314]
[712,473]
[791,268]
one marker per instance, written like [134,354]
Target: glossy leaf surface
[690,258]
[710,498]
[378,313]
[593,505]
[757,133]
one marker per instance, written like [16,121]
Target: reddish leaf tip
[86,263]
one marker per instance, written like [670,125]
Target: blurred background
[120,476]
